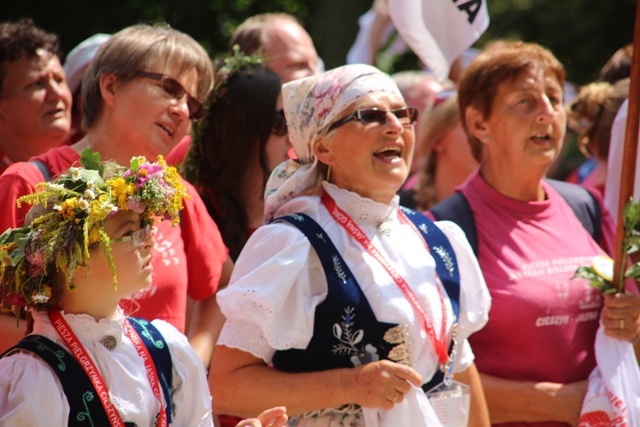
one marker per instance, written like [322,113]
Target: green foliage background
[582,33]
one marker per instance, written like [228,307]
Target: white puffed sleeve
[275,287]
[475,300]
[25,380]
[190,390]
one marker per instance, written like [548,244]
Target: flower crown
[73,209]
[230,65]
[226,68]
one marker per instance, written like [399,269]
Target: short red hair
[479,83]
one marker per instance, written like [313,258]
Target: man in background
[35,101]
[286,45]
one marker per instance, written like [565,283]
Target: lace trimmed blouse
[278,281]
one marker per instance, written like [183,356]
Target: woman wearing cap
[86,246]
[340,294]
[75,65]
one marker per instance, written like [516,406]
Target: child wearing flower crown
[87,245]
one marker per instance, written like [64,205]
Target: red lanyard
[356,232]
[81,355]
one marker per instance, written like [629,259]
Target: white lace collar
[86,328]
[361,209]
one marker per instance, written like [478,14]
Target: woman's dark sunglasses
[177,91]
[279,124]
[406,116]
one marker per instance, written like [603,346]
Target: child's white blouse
[31,394]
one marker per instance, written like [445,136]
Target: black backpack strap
[443,254]
[85,407]
[159,352]
[46,175]
[456,208]
[583,204]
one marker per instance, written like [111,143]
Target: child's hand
[274,417]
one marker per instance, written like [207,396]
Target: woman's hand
[572,396]
[382,384]
[243,385]
[621,316]
[274,417]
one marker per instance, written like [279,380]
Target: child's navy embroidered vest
[85,407]
[346,332]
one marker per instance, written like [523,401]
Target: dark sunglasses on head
[406,116]
[279,124]
[176,91]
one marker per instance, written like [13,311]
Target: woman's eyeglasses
[176,91]
[279,124]
[138,238]
[406,116]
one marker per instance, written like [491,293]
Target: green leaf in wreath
[91,160]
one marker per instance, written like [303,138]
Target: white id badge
[451,403]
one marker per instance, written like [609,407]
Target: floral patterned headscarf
[312,104]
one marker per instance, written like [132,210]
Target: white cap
[79,58]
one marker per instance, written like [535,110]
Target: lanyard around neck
[356,232]
[80,353]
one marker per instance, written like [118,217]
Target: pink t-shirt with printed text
[542,324]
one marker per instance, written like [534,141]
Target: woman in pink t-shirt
[537,350]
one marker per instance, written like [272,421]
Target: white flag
[613,396]
[439,31]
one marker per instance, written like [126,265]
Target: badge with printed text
[451,403]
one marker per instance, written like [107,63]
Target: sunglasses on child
[137,238]
[279,124]
[174,89]
[406,117]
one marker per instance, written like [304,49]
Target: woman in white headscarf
[339,308]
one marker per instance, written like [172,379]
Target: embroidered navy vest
[346,332]
[85,407]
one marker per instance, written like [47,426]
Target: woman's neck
[523,185]
[109,143]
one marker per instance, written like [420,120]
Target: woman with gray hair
[342,293]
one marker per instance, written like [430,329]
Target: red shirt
[188,258]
